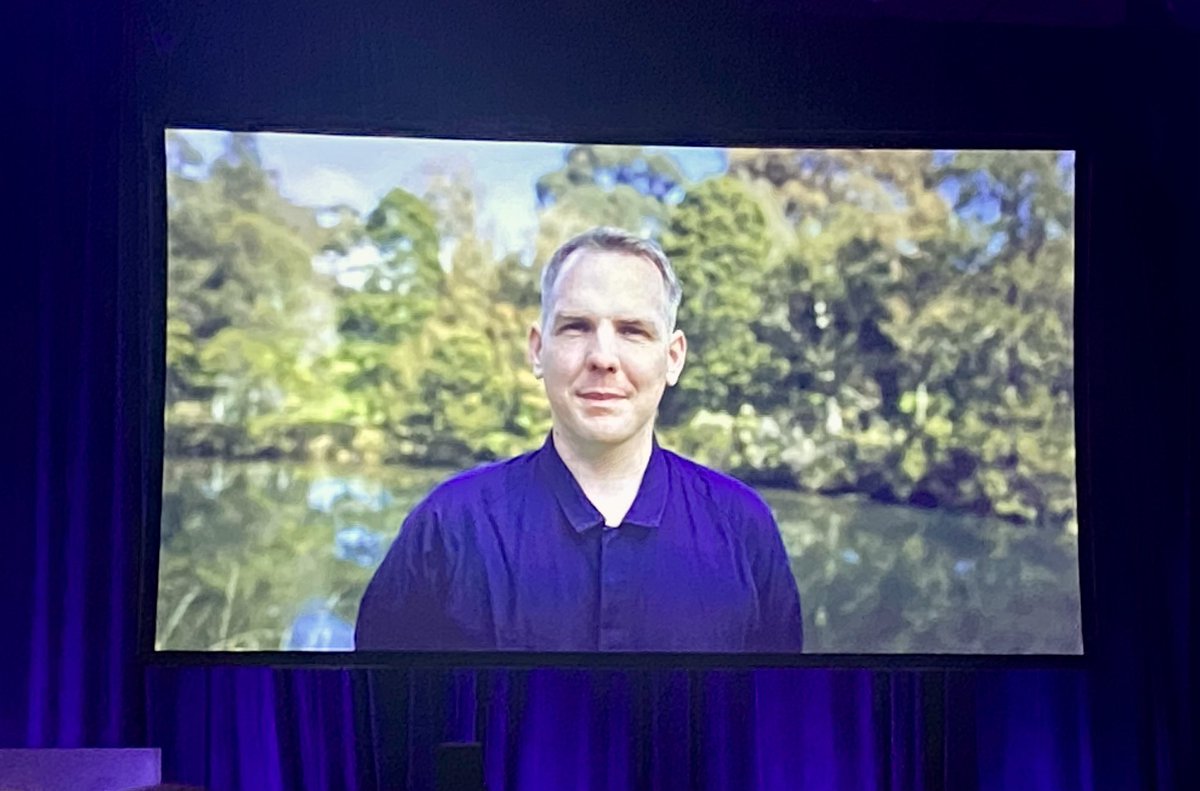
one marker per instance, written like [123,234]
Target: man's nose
[602,353]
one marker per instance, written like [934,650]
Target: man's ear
[676,356]
[535,349]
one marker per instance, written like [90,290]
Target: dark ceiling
[1070,13]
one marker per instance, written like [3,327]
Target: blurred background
[880,342]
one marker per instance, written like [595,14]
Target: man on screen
[600,540]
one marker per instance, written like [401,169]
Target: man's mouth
[600,396]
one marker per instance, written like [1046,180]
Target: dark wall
[684,72]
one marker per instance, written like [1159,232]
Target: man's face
[605,354]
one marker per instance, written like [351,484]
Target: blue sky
[319,170]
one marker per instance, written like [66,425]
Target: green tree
[928,324]
[401,284]
[467,368]
[716,239]
[994,424]
[242,299]
[621,186]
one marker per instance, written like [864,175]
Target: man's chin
[606,433]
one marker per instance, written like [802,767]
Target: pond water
[269,555]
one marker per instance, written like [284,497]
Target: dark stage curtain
[76,492]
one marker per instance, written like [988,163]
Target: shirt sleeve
[404,606]
[779,627]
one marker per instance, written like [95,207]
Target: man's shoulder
[481,484]
[722,489]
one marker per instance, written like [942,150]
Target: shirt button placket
[613,583]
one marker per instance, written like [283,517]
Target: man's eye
[573,326]
[637,331]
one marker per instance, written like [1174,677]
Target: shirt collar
[647,508]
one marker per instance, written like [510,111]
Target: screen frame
[152,281]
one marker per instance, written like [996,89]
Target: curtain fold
[242,728]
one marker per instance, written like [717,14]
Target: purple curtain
[76,490]
[547,729]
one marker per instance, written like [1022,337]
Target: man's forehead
[614,285]
[608,297]
[609,261]
[617,274]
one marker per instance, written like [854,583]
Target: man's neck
[607,466]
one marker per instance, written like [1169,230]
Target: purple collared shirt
[512,556]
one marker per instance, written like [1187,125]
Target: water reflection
[358,544]
[318,629]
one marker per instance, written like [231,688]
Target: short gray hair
[614,240]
